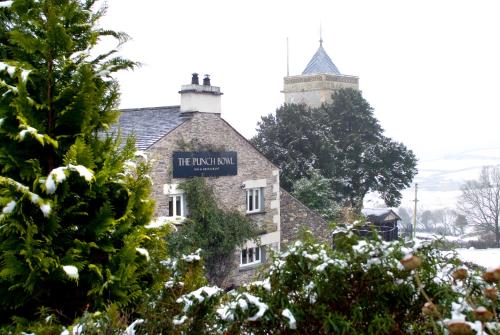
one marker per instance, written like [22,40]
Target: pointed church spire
[321,62]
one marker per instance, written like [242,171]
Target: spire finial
[320,35]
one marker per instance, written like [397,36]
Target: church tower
[320,79]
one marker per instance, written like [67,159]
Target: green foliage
[316,193]
[74,202]
[360,287]
[341,140]
[213,230]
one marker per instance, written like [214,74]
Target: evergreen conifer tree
[73,205]
[344,142]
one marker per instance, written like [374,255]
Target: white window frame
[246,260]
[173,209]
[255,204]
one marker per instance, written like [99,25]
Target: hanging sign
[204,164]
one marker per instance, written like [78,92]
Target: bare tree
[444,220]
[480,202]
[426,221]
[406,222]
[460,223]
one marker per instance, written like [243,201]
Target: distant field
[488,258]
[440,179]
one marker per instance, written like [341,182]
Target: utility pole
[415,213]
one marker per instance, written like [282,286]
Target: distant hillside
[439,180]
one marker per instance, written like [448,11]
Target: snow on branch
[42,138]
[198,296]
[11,69]
[10,88]
[9,208]
[71,271]
[58,175]
[265,284]
[262,307]
[242,301]
[143,252]
[195,257]
[160,222]
[131,329]
[32,131]
[291,319]
[35,199]
[9,182]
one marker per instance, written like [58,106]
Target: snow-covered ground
[449,238]
[489,258]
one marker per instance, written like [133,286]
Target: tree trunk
[497,234]
[50,116]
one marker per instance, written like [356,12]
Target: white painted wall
[200,98]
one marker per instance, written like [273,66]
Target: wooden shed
[384,220]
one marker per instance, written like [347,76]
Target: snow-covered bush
[360,287]
[179,280]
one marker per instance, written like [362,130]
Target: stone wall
[295,216]
[206,130]
[283,215]
[314,90]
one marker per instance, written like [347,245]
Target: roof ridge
[149,108]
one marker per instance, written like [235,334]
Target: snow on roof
[375,211]
[380,215]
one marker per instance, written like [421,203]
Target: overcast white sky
[430,69]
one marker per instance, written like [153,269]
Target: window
[254,200]
[250,256]
[176,205]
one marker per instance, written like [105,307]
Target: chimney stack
[206,80]
[194,79]
[200,98]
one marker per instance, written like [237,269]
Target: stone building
[318,81]
[194,140]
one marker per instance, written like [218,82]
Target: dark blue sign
[204,164]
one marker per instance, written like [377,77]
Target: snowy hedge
[358,287]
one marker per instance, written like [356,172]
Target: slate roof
[149,124]
[321,63]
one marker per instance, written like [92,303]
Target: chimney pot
[194,79]
[206,80]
